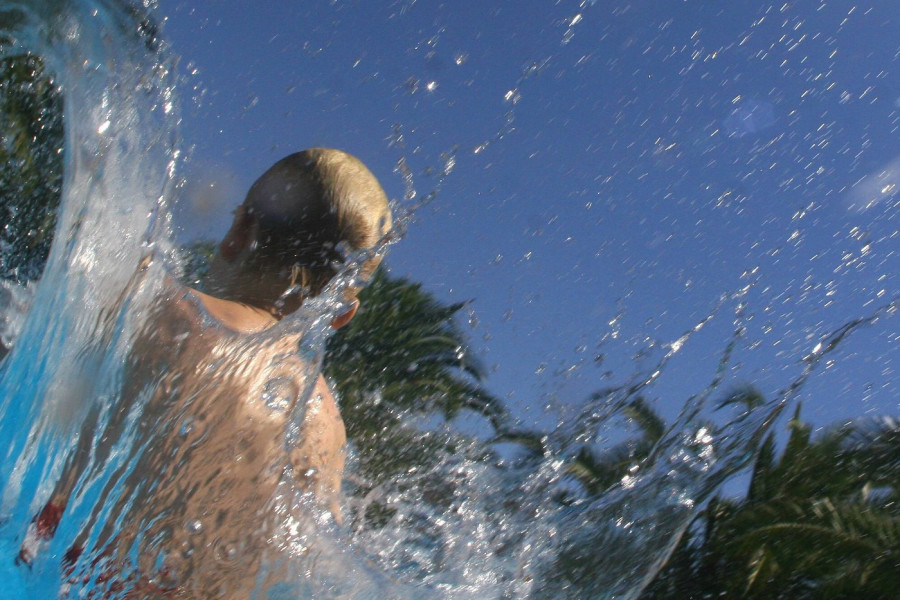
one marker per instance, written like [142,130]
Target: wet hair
[311,207]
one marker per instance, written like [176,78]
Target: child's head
[297,219]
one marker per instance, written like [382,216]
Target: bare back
[199,504]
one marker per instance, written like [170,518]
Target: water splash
[474,525]
[120,155]
[15,300]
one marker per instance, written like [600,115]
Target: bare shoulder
[178,301]
[238,317]
[319,458]
[172,318]
[325,396]
[323,425]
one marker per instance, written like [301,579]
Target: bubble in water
[280,393]
[226,552]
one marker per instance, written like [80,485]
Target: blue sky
[603,174]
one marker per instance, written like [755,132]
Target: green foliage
[194,261]
[31,146]
[31,142]
[401,357]
[822,520]
[598,472]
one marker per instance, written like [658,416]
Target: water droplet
[187,426]
[195,526]
[280,393]
[226,552]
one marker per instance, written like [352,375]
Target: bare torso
[200,505]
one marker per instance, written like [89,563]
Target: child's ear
[346,316]
[238,237]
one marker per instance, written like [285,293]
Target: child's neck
[237,316]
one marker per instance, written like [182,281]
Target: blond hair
[311,206]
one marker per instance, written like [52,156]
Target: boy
[191,512]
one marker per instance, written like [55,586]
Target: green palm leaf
[31,142]
[404,358]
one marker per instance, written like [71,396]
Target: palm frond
[650,423]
